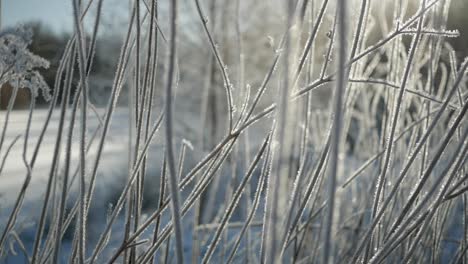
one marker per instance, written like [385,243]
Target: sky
[58,14]
[55,13]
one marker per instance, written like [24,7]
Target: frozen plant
[18,65]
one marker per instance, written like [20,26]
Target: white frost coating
[18,65]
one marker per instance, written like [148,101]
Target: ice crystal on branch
[18,66]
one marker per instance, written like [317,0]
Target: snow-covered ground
[112,173]
[111,177]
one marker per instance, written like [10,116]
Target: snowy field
[111,177]
[110,180]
